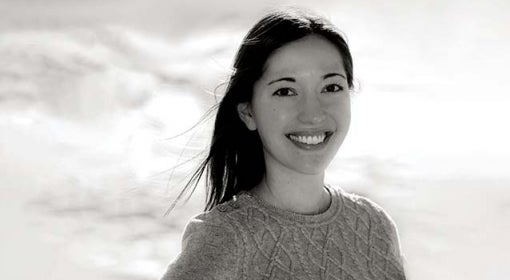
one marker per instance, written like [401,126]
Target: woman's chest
[326,252]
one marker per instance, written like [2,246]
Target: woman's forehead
[309,54]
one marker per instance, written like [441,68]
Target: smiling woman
[269,213]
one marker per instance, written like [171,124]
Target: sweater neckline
[326,216]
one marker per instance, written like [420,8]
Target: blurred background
[92,94]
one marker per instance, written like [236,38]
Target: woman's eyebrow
[288,79]
[333,75]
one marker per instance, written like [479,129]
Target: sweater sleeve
[209,251]
[387,256]
[390,229]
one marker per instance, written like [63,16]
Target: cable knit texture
[245,238]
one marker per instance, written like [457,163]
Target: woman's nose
[311,111]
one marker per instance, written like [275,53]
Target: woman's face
[300,106]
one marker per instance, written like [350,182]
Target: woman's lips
[309,140]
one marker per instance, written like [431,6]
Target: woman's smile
[310,140]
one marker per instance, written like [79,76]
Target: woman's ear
[246,115]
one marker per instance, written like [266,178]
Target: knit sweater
[246,238]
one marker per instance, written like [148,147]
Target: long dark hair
[235,160]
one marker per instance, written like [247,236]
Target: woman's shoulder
[217,225]
[210,249]
[219,219]
[221,215]
[373,216]
[363,205]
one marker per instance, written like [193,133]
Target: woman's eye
[332,88]
[284,92]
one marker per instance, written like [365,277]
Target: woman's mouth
[309,140]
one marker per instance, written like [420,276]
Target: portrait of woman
[270,214]
[277,139]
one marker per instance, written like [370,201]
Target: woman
[269,215]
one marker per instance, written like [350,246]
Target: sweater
[246,238]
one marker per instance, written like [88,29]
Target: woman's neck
[304,194]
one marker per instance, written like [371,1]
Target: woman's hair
[235,160]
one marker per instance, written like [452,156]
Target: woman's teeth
[309,140]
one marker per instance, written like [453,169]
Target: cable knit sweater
[245,238]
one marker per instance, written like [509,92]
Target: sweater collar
[248,198]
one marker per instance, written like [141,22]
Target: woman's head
[236,157]
[300,107]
